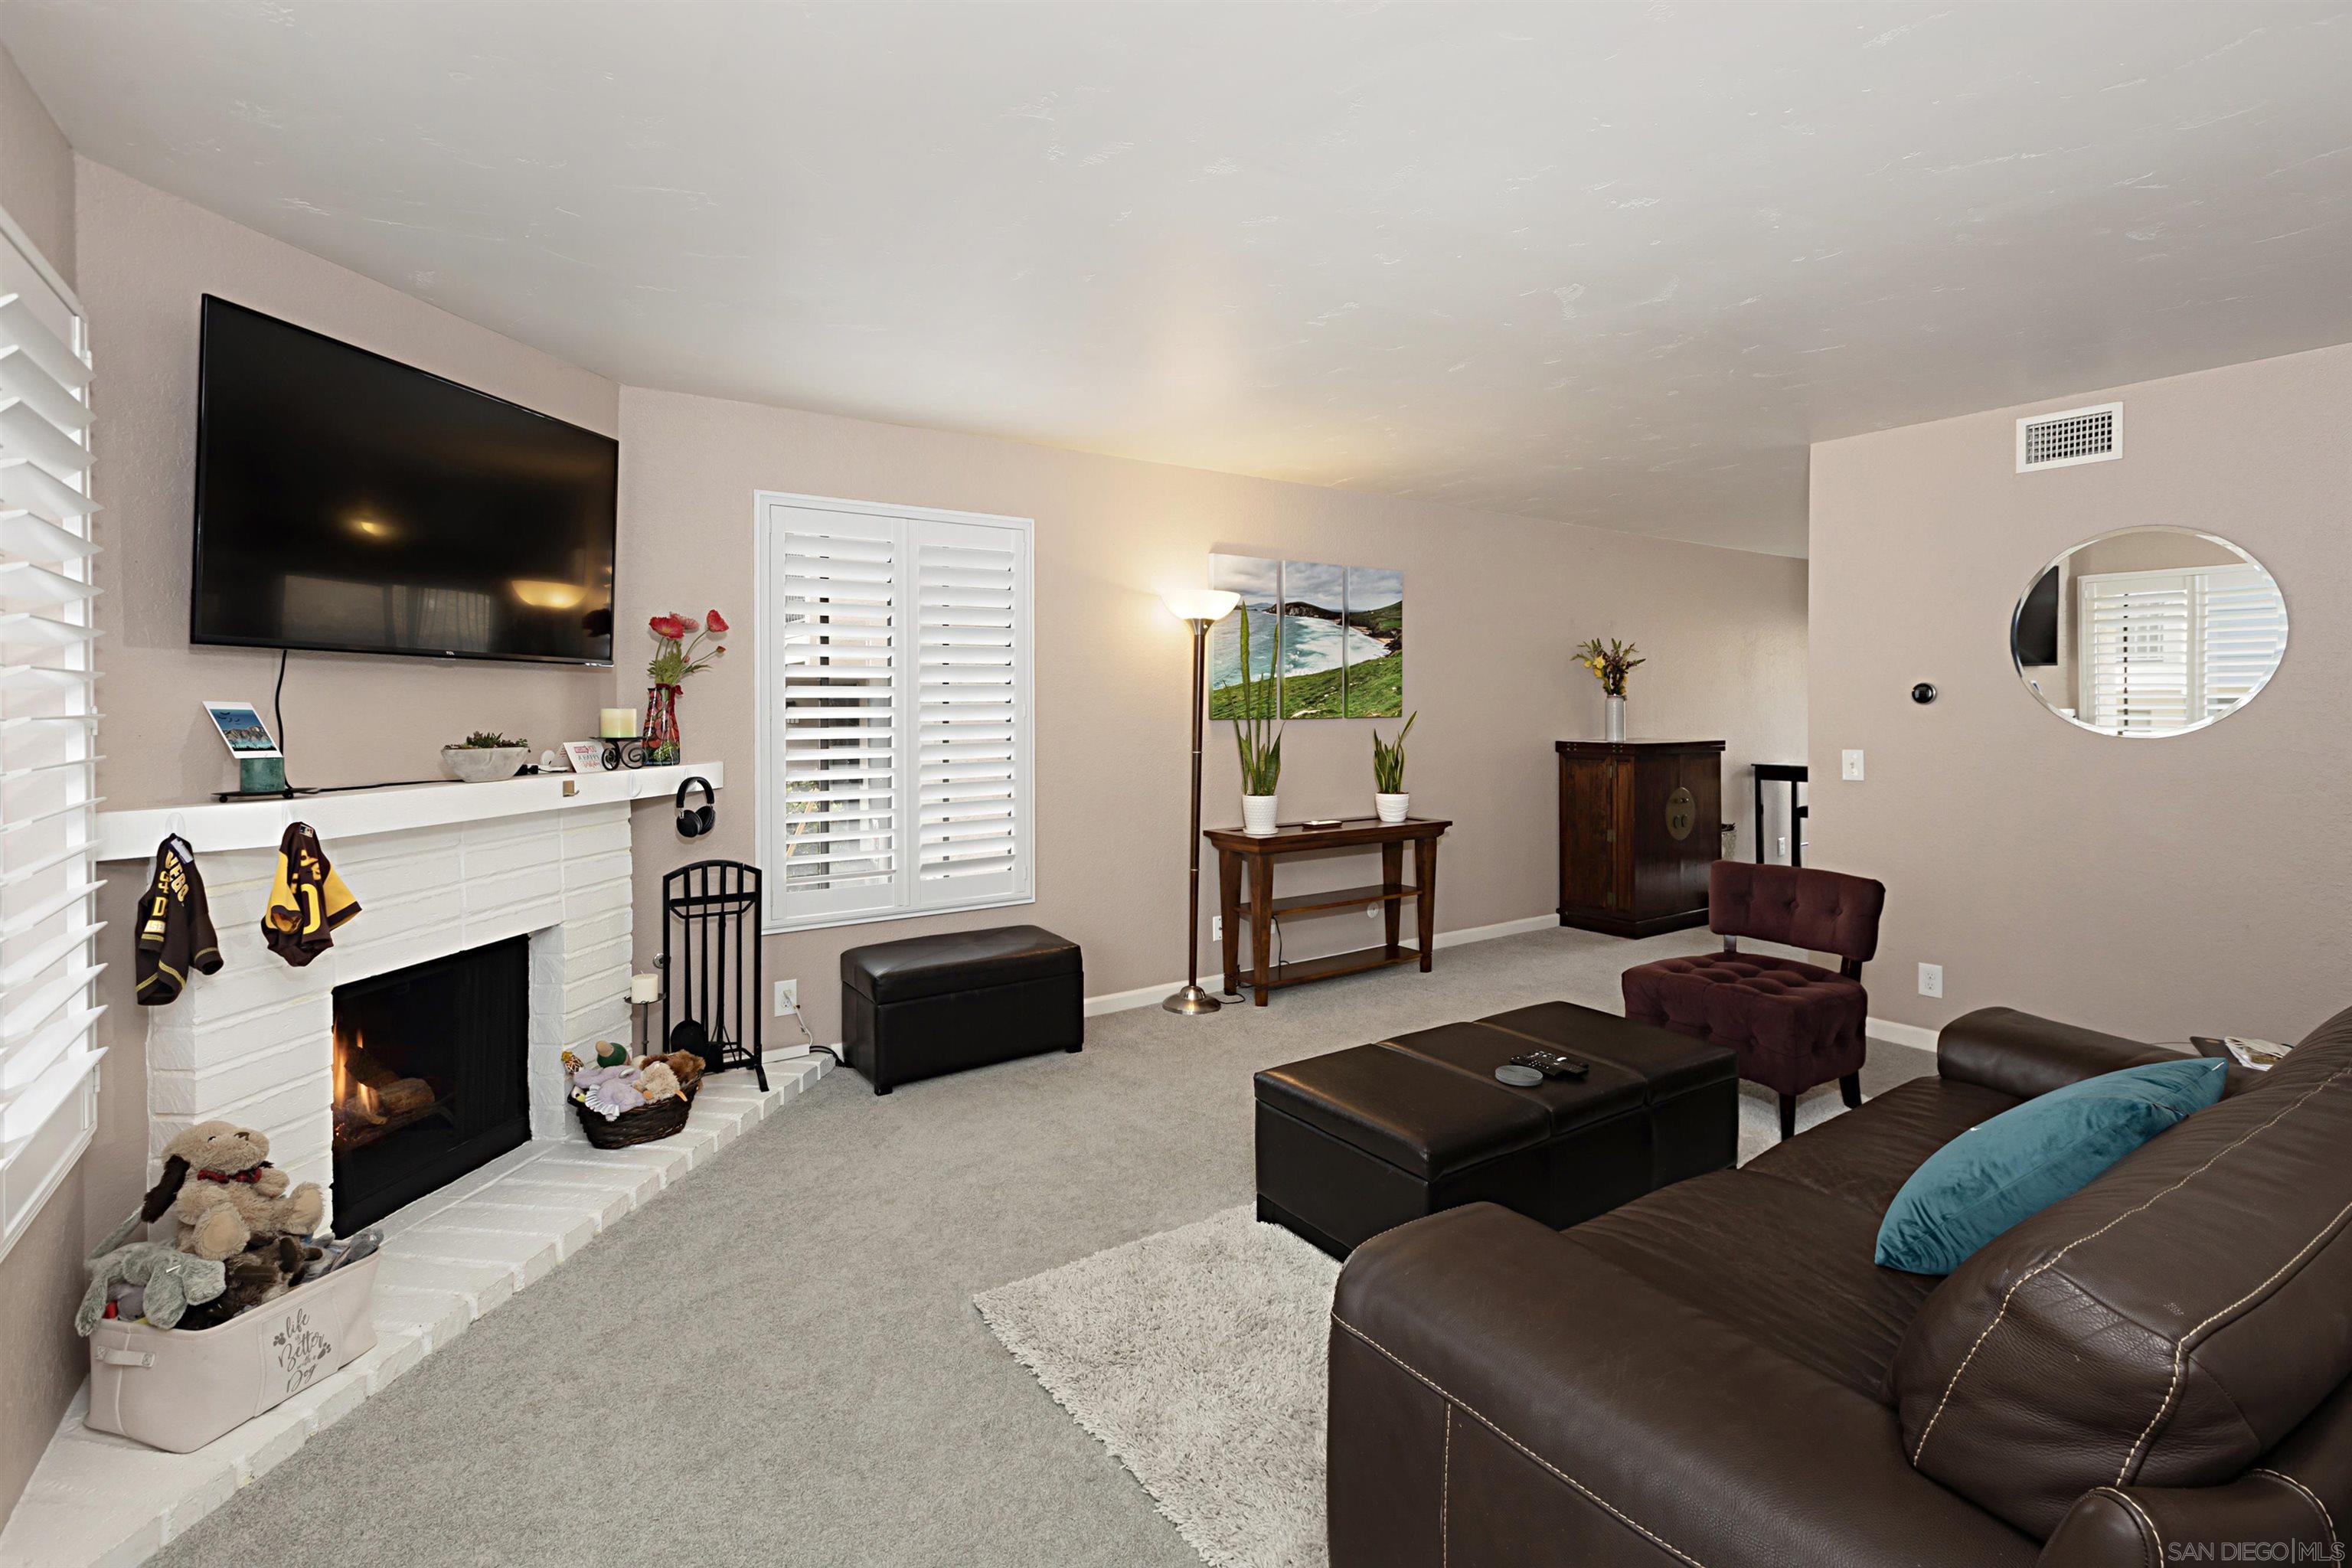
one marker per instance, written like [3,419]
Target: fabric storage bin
[932,1005]
[178,1389]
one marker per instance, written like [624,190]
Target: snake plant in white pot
[1259,741]
[1389,797]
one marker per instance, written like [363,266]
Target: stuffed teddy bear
[171,1281]
[260,1273]
[219,1184]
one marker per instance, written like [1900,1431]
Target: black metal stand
[710,915]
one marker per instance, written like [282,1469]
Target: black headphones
[694,821]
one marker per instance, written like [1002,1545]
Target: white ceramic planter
[1617,719]
[480,765]
[1391,807]
[1257,814]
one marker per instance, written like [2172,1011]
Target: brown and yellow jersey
[307,900]
[176,928]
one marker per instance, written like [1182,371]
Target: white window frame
[772,513]
[2197,581]
[48,866]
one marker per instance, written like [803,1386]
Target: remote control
[1552,1064]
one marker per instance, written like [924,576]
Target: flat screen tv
[350,503]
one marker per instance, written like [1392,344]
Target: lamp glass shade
[1201,604]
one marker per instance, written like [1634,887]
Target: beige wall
[147,260]
[2158,887]
[1493,605]
[37,170]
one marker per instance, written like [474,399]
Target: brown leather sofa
[2150,1371]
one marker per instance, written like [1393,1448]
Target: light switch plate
[1931,980]
[1851,768]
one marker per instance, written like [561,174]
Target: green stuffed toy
[173,1281]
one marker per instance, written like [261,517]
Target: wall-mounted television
[350,503]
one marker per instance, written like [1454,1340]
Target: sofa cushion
[1865,1158]
[1793,1024]
[1787,1266]
[2166,1325]
[2028,1157]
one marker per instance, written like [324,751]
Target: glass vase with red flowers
[683,645]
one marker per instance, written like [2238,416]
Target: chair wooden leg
[1850,1087]
[1788,1117]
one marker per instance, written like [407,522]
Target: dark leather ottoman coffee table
[1358,1141]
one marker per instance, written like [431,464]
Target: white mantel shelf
[215,827]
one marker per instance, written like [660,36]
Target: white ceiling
[1609,264]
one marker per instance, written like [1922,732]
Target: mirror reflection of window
[2149,631]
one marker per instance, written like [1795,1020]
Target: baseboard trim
[1896,1034]
[1153,995]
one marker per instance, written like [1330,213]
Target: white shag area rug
[1197,1357]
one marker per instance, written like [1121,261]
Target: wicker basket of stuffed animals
[633,1101]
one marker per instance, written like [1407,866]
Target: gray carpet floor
[778,1361]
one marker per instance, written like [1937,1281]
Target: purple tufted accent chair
[1793,1025]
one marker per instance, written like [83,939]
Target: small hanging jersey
[175,929]
[307,900]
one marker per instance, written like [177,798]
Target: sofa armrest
[2020,1053]
[1501,1395]
[2261,1517]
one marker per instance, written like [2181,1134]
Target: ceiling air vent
[2061,440]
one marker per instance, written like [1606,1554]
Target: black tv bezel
[196,507]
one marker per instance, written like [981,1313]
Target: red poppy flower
[667,626]
[717,622]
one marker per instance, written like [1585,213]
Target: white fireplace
[437,869]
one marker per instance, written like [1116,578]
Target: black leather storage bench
[933,1004]
[1354,1143]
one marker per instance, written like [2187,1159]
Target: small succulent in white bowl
[485,755]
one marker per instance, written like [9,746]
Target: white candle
[645,988]
[617,724]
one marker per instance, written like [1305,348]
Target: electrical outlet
[1931,980]
[1216,928]
[788,996]
[1373,913]
[1852,769]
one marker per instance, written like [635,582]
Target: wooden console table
[1235,848]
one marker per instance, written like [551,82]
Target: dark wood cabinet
[1640,822]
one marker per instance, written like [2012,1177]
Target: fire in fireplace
[429,1075]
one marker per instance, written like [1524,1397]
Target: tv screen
[350,503]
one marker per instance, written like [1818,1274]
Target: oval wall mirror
[2149,631]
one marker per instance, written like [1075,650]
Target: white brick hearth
[437,870]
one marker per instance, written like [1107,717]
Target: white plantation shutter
[2242,629]
[2135,630]
[969,729]
[48,733]
[2162,650]
[894,711]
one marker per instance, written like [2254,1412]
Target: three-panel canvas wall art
[1329,640]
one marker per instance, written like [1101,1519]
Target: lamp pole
[1200,609]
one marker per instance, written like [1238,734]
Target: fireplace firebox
[429,1077]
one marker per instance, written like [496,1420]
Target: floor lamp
[1199,608]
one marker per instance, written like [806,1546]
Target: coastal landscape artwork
[1328,639]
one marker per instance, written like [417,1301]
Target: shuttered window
[48,829]
[2162,650]
[895,712]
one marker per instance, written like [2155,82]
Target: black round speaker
[1924,693]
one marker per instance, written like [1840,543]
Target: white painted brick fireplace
[437,869]
[253,1044]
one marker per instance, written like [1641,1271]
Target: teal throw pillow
[2027,1158]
